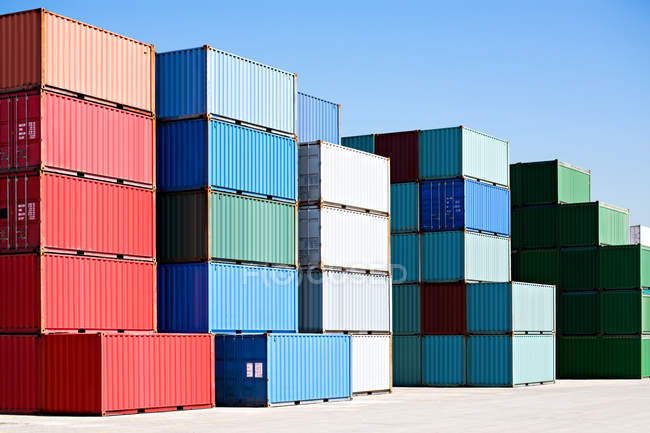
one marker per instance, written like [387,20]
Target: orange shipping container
[40,48]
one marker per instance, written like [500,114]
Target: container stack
[603,302]
[450,251]
[77,228]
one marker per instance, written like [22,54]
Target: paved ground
[567,406]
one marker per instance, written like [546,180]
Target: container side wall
[181,152]
[443,309]
[579,269]
[489,360]
[318,120]
[444,360]
[402,149]
[406,309]
[20,53]
[489,308]
[613,226]
[574,186]
[20,297]
[437,267]
[183,297]
[533,307]
[371,363]
[539,266]
[487,258]
[364,143]
[579,313]
[533,359]
[19,374]
[182,226]
[405,258]
[181,83]
[440,153]
[485,158]
[407,360]
[404,207]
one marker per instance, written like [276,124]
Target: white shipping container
[333,174]
[343,239]
[371,363]
[335,301]
[640,235]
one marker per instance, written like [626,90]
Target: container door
[5,133]
[19,212]
[27,110]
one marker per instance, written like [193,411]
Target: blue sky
[559,79]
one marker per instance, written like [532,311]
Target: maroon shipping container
[19,374]
[55,292]
[402,149]
[48,130]
[443,309]
[56,213]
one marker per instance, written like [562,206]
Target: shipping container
[579,268]
[43,49]
[104,374]
[371,363]
[226,298]
[196,153]
[330,174]
[625,312]
[578,313]
[539,266]
[334,301]
[444,360]
[55,292]
[406,309]
[343,239]
[404,207]
[364,143]
[535,227]
[402,149]
[623,267]
[443,310]
[497,308]
[405,258]
[47,130]
[505,360]
[268,369]
[464,256]
[462,152]
[198,81]
[51,212]
[407,360]
[318,119]
[458,204]
[546,182]
[203,225]
[19,367]
[640,235]
[594,223]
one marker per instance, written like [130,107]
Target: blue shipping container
[443,360]
[193,154]
[223,298]
[405,258]
[200,81]
[318,119]
[404,207]
[365,143]
[457,204]
[407,360]
[261,370]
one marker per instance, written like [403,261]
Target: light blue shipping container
[464,256]
[204,80]
[404,207]
[462,152]
[406,309]
[405,258]
[224,298]
[457,204]
[365,143]
[510,307]
[261,370]
[443,360]
[193,154]
[407,360]
[505,360]
[318,119]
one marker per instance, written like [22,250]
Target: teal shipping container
[407,360]
[464,256]
[365,143]
[404,207]
[405,258]
[462,152]
[510,360]
[406,309]
[444,360]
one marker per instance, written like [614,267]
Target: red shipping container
[402,149]
[19,374]
[54,292]
[48,130]
[51,212]
[443,309]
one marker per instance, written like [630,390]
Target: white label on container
[32,130]
[21,212]
[31,211]
[258,369]
[249,369]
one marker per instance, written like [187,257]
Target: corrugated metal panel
[61,292]
[624,312]
[640,235]
[181,83]
[545,182]
[407,360]
[402,149]
[182,226]
[329,173]
[21,38]
[535,227]
[404,207]
[444,359]
[318,119]
[573,184]
[579,268]
[539,266]
[405,258]
[371,363]
[620,357]
[440,153]
[218,297]
[533,307]
[439,267]
[584,224]
[332,237]
[365,143]
[19,374]
[487,258]
[489,360]
[485,157]
[456,204]
[624,267]
[62,212]
[406,309]
[533,358]
[578,313]
[239,159]
[443,309]
[344,301]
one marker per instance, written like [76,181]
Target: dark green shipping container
[595,223]
[624,267]
[547,182]
[534,227]
[578,313]
[625,312]
[539,266]
[579,269]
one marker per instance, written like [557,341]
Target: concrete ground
[567,406]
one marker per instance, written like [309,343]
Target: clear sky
[559,79]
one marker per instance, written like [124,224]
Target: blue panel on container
[443,360]
[365,143]
[181,82]
[489,307]
[404,207]
[318,120]
[183,298]
[405,258]
[240,370]
[443,257]
[487,208]
[180,155]
[489,360]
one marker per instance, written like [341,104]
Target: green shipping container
[539,266]
[407,360]
[625,312]
[578,313]
[624,267]
[207,225]
[579,269]
[546,182]
[595,223]
[534,227]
